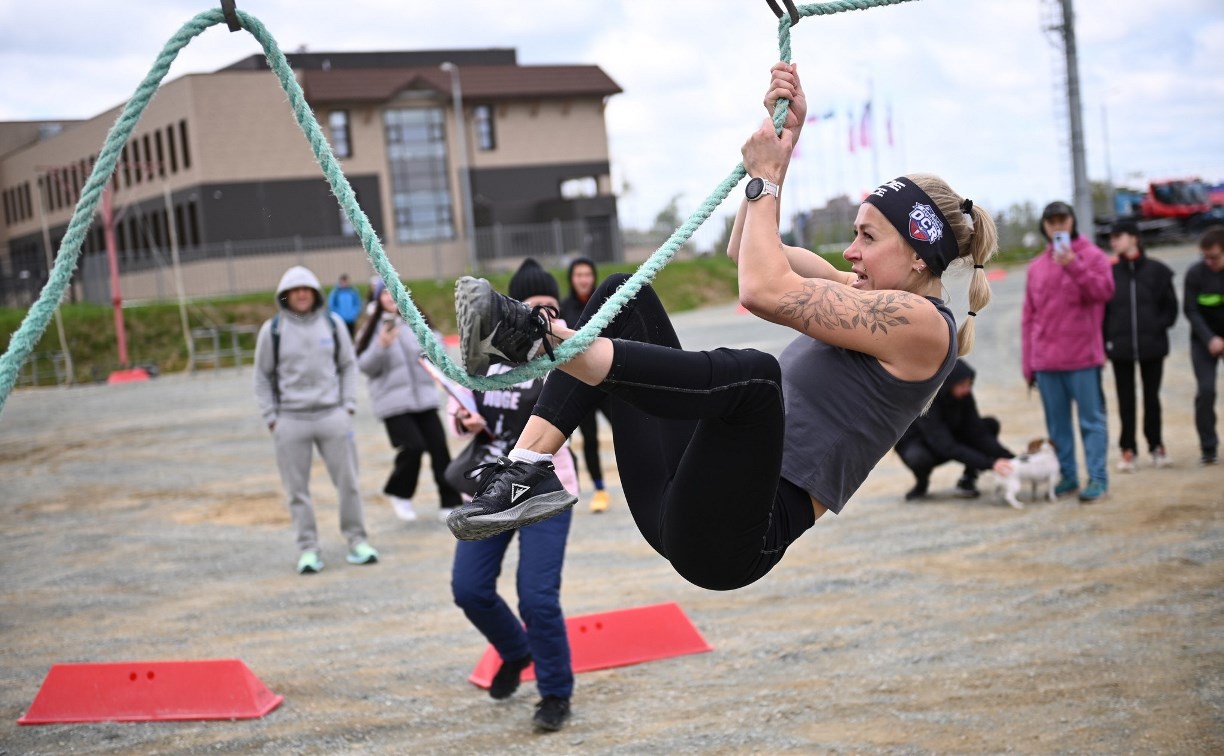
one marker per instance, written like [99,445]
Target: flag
[888,125]
[850,122]
[818,117]
[865,127]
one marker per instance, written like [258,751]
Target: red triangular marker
[149,691]
[615,639]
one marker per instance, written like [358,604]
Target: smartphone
[1062,241]
[389,321]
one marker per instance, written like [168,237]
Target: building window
[420,186]
[173,151]
[338,125]
[482,120]
[161,155]
[183,144]
[576,188]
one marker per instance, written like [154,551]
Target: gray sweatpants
[296,434]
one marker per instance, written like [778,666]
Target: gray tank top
[844,412]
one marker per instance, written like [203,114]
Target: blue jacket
[345,302]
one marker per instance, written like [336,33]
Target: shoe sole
[367,560]
[472,302]
[529,512]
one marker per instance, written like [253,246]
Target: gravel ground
[145,522]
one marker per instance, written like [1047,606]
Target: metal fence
[230,268]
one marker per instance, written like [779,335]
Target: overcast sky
[974,87]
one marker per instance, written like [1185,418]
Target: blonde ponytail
[977,239]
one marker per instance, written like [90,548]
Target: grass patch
[155,336]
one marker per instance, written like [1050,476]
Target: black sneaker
[496,328]
[919,491]
[509,495]
[508,677]
[551,713]
[1210,457]
[966,489]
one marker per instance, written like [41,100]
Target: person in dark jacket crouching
[952,430]
[1136,328]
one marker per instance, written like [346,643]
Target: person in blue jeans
[540,637]
[1063,345]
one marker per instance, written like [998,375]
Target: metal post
[465,179]
[59,318]
[178,274]
[112,257]
[1079,170]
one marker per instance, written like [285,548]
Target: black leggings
[698,439]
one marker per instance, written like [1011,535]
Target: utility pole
[1075,113]
[465,179]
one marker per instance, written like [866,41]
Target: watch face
[754,188]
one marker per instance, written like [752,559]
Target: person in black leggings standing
[727,456]
[583,276]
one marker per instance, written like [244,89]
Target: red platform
[128,376]
[148,691]
[615,639]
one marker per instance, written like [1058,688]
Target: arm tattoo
[828,306]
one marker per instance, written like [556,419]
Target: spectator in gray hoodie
[306,386]
[405,398]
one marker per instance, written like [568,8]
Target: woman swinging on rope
[727,456]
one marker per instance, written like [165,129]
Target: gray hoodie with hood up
[311,375]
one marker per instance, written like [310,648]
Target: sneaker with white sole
[309,563]
[403,508]
[1161,458]
[1127,463]
[362,553]
[496,328]
[510,495]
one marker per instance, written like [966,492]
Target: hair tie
[966,206]
[980,267]
[972,314]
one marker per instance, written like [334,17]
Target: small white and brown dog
[1039,465]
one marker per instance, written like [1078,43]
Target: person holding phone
[404,397]
[1063,346]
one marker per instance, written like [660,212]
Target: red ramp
[615,639]
[149,691]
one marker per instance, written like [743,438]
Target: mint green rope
[35,323]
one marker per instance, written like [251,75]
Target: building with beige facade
[218,172]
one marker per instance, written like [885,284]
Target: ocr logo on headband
[924,224]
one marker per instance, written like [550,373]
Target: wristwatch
[759,187]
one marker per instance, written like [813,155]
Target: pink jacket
[1064,308]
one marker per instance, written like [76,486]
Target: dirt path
[146,522]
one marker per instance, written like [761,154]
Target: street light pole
[1079,170]
[465,179]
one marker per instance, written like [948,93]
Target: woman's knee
[472,595]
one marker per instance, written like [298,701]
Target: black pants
[590,445]
[698,439]
[412,434]
[1205,365]
[1150,372]
[922,459]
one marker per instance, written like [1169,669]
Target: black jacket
[1143,309]
[953,429]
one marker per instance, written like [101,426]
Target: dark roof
[477,82]
[301,61]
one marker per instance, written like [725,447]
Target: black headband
[918,220]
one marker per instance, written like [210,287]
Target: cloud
[974,86]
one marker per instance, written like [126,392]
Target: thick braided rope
[36,320]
